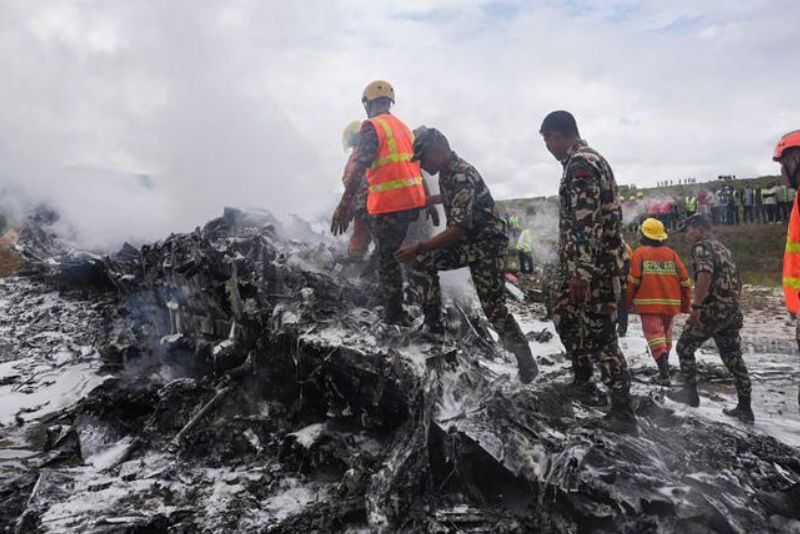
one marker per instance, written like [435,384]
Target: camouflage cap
[425,138]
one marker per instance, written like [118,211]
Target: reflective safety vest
[691,204]
[395,182]
[525,242]
[791,262]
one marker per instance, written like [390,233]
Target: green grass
[757,250]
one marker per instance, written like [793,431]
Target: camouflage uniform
[591,247]
[720,317]
[469,204]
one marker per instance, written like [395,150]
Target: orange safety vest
[791,261]
[395,182]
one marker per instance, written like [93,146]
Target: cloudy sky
[243,102]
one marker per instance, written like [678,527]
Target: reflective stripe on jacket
[791,261]
[395,182]
[658,281]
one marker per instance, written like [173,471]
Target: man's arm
[704,272]
[362,157]
[445,239]
[459,223]
[583,199]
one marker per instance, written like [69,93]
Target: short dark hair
[700,221]
[560,121]
[646,241]
[425,138]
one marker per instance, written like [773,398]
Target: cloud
[243,102]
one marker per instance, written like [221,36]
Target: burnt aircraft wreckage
[229,380]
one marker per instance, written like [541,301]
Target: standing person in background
[758,204]
[748,202]
[770,196]
[734,199]
[716,313]
[665,210]
[592,257]
[724,205]
[714,203]
[659,288]
[787,153]
[783,198]
[690,202]
[525,251]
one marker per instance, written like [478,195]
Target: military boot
[663,371]
[742,411]
[433,321]
[394,314]
[687,395]
[620,418]
[514,341]
[587,392]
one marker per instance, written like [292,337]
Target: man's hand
[694,318]
[579,290]
[407,252]
[433,214]
[341,219]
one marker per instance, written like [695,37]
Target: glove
[340,220]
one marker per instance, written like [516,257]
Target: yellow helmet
[654,229]
[350,135]
[378,89]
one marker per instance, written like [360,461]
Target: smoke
[543,224]
[136,120]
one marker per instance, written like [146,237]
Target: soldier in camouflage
[592,256]
[716,313]
[475,237]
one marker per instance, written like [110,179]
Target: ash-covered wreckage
[229,380]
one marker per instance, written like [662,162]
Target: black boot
[433,321]
[663,371]
[586,392]
[394,314]
[514,341]
[742,411]
[620,418]
[687,395]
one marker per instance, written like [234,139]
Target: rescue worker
[475,237]
[690,203]
[525,251]
[659,288]
[787,153]
[361,238]
[716,313]
[592,255]
[396,190]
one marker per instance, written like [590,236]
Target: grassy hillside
[757,249]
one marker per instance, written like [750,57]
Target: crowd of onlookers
[726,205]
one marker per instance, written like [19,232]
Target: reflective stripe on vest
[791,261]
[395,182]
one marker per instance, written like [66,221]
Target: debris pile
[246,384]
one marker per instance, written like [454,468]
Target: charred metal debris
[247,385]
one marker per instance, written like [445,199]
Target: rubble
[234,381]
